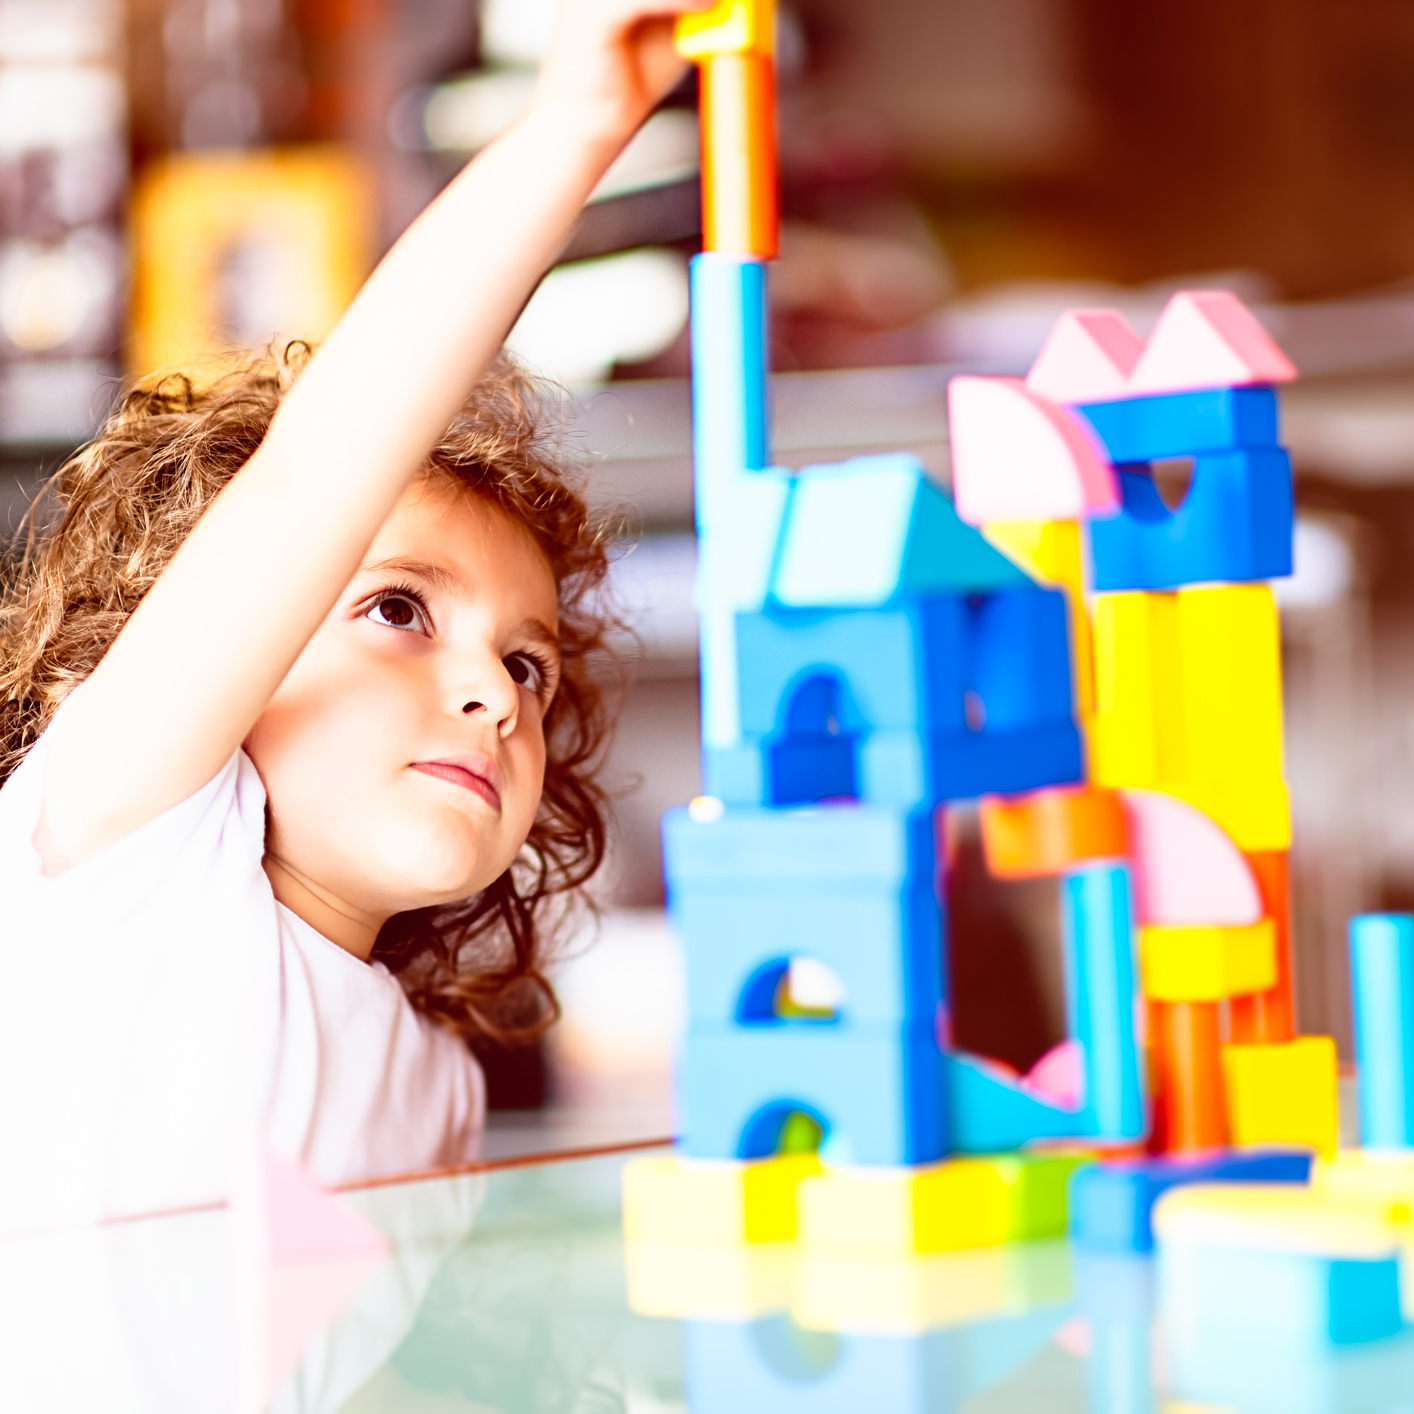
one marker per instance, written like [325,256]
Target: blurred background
[179,178]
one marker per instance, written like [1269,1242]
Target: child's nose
[487,688]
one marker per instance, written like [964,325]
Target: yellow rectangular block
[729,27]
[908,1295]
[1282,1217]
[961,1203]
[1283,1093]
[1188,699]
[673,1201]
[1190,964]
[728,1283]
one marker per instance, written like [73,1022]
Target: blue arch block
[1235,524]
[851,886]
[1183,424]
[878,1092]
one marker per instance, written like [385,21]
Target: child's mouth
[477,779]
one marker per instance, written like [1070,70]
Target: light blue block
[1183,424]
[862,532]
[884,943]
[820,844]
[1210,1295]
[1098,939]
[1382,991]
[876,1091]
[729,369]
[988,1113]
[1235,524]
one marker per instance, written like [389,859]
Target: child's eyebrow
[439,575]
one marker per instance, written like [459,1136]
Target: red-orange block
[1049,831]
[739,211]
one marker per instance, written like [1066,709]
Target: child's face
[403,754]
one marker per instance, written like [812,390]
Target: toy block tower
[867,656]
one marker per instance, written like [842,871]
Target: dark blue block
[878,1092]
[1184,424]
[964,765]
[1235,524]
[1111,1204]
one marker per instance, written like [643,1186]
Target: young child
[297,707]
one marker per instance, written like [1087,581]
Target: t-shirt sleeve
[218,830]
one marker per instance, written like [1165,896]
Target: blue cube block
[1112,1204]
[878,1092]
[1183,424]
[1235,524]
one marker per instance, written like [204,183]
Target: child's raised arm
[201,656]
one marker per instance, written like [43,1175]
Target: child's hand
[611,62]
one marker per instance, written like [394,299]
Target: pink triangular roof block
[1208,339]
[1187,870]
[1059,1076]
[1016,456]
[1087,357]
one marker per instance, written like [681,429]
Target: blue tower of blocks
[866,658]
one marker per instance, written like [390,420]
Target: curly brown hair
[118,509]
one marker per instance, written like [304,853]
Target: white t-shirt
[156,1002]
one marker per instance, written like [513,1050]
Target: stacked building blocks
[1102,672]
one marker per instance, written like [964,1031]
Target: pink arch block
[1208,339]
[1087,357]
[301,1257]
[1186,868]
[1019,457]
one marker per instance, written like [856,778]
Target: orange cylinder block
[1269,1016]
[739,209]
[1049,831]
[1190,1111]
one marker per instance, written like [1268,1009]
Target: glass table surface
[513,1290]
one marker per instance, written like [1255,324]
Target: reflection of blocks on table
[708,1202]
[919,1293]
[1111,1204]
[1195,964]
[727,1283]
[1278,1263]
[974,1202]
[1283,1094]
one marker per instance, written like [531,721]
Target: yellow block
[671,1201]
[729,27]
[1188,700]
[960,1203]
[730,1283]
[1190,964]
[1283,1093]
[908,1295]
[235,249]
[1281,1217]
[1050,551]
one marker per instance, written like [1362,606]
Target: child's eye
[526,671]
[399,611]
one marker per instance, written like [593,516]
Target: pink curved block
[1019,457]
[1208,339]
[1059,1076]
[1186,868]
[1087,358]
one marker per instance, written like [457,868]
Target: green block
[1037,1187]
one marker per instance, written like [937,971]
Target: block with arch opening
[936,697]
[877,1092]
[807,917]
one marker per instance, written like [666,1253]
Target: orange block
[1028,836]
[1190,1110]
[739,212]
[1267,1017]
